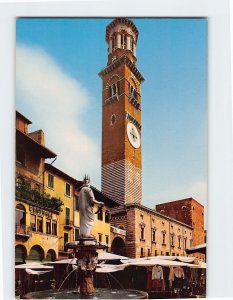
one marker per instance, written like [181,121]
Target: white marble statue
[86,201]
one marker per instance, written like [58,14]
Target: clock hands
[133,134]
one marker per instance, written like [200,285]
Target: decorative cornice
[123,21]
[120,61]
[155,213]
[128,116]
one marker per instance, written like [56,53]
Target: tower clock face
[133,135]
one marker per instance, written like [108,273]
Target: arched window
[36,253]
[51,255]
[118,246]
[123,41]
[113,43]
[20,218]
[20,254]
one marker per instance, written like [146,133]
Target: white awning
[109,268]
[186,259]
[110,256]
[33,272]
[69,261]
[201,265]
[33,266]
[155,261]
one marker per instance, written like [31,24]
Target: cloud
[56,103]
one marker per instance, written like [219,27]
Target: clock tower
[121,115]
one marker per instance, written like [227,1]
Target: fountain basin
[99,294]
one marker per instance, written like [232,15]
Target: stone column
[118,40]
[128,42]
[134,49]
[110,46]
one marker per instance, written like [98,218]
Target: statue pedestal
[85,250]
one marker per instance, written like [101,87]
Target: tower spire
[121,36]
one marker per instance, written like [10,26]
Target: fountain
[85,252]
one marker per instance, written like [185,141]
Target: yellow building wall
[59,191]
[46,241]
[157,247]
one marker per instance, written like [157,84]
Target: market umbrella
[197,249]
[186,259]
[67,261]
[201,265]
[110,256]
[155,261]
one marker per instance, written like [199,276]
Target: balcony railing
[22,230]
[68,223]
[36,197]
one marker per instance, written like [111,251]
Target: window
[76,202]
[20,215]
[67,192]
[107,239]
[172,240]
[185,243]
[107,216]
[142,233]
[76,234]
[114,43]
[113,119]
[142,252]
[153,235]
[179,241]
[100,237]
[54,227]
[123,41]
[40,224]
[66,239]
[100,215]
[48,226]
[131,44]
[67,216]
[164,238]
[50,181]
[33,222]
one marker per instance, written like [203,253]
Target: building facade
[36,215]
[136,230]
[189,211]
[46,215]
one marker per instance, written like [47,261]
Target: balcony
[22,232]
[68,224]
[37,198]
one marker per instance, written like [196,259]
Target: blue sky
[58,89]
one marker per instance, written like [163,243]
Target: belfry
[121,115]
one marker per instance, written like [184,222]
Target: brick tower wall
[187,211]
